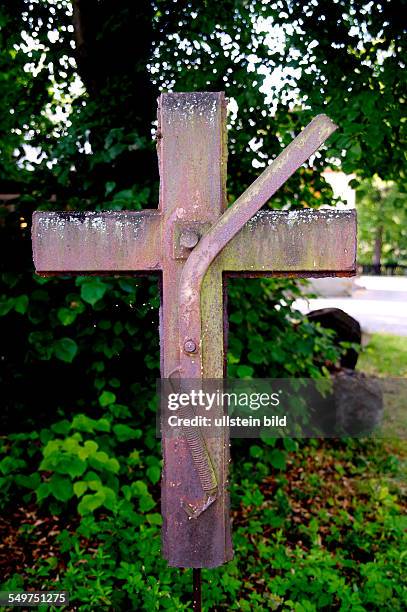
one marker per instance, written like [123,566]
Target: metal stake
[197,600]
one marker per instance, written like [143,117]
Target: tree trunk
[114,45]
[377,254]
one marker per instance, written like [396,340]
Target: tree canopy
[79,82]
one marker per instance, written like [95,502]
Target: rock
[346,327]
[358,401]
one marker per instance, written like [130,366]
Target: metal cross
[194,241]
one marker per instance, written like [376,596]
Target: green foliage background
[79,356]
[382,215]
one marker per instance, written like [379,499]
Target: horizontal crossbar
[304,243]
[114,241]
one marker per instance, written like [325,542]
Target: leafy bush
[328,537]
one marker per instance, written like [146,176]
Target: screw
[188,239]
[189,346]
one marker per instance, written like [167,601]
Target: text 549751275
[33,598]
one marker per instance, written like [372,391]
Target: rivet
[188,239]
[189,346]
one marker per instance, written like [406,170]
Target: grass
[384,355]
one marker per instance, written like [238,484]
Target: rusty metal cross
[194,241]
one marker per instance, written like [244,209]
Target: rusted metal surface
[186,235]
[192,161]
[96,241]
[303,241]
[194,242]
[295,241]
[233,219]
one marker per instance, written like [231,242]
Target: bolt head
[190,346]
[188,239]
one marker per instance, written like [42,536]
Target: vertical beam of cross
[192,160]
[192,155]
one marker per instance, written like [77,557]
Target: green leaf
[104,496]
[92,291]
[107,398]
[109,187]
[70,444]
[79,488]
[277,459]
[114,152]
[81,422]
[95,485]
[62,427]
[61,487]
[101,457]
[66,316]
[255,357]
[154,519]
[113,465]
[65,349]
[110,498]
[21,304]
[124,433]
[118,328]
[102,425]
[128,285]
[125,194]
[244,371]
[71,465]
[139,488]
[256,451]
[355,152]
[91,447]
[105,324]
[89,503]
[6,306]
[154,474]
[290,444]
[146,503]
[29,482]
[102,461]
[42,491]
[232,359]
[267,440]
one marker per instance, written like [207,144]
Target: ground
[384,355]
[377,302]
[320,528]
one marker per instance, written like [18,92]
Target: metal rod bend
[229,224]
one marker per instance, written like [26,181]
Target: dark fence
[393,269]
